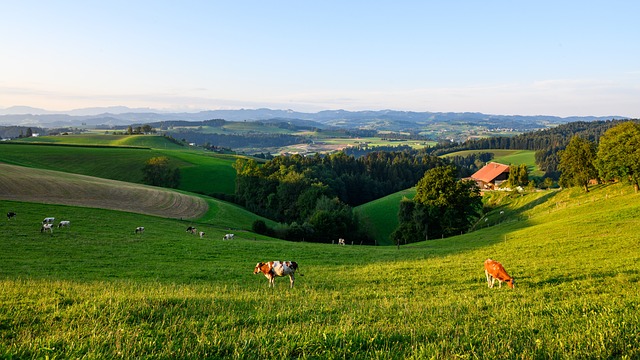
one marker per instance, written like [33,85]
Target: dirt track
[54,187]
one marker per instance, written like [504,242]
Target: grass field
[54,187]
[26,184]
[202,172]
[103,292]
[381,216]
[106,140]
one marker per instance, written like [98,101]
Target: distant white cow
[201,233]
[64,223]
[341,241]
[228,237]
[140,230]
[47,227]
[48,220]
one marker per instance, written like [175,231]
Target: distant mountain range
[393,120]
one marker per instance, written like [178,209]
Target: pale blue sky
[500,57]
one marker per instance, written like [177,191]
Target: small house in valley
[491,176]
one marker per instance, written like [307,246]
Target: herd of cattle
[48,223]
[493,269]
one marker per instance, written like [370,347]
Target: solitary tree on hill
[157,172]
[619,154]
[577,163]
[442,206]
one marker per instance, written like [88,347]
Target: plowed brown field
[54,187]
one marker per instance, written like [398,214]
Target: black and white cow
[192,230]
[11,215]
[47,227]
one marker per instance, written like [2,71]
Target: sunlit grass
[103,292]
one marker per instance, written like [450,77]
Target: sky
[561,58]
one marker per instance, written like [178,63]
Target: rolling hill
[54,187]
[381,216]
[103,291]
[122,158]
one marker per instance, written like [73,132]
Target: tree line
[546,143]
[315,194]
[233,141]
[616,156]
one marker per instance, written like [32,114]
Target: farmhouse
[491,175]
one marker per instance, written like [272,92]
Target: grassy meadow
[202,172]
[381,215]
[97,290]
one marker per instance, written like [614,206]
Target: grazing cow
[228,237]
[494,270]
[140,230]
[273,269]
[341,241]
[48,220]
[192,230]
[47,227]
[11,215]
[201,233]
[64,223]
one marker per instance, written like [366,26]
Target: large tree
[619,154]
[577,163]
[442,206]
[518,175]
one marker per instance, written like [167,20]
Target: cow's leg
[488,278]
[272,281]
[292,279]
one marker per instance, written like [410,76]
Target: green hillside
[101,291]
[381,216]
[53,187]
[47,186]
[201,171]
[508,157]
[159,142]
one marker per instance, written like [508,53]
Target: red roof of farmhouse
[490,172]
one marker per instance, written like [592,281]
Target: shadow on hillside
[494,231]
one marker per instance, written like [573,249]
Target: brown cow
[272,269]
[494,270]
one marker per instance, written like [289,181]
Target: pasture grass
[97,290]
[55,187]
[202,172]
[89,139]
[381,216]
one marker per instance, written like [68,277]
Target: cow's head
[512,283]
[258,268]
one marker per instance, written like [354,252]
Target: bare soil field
[45,186]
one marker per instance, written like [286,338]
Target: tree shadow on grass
[494,232]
